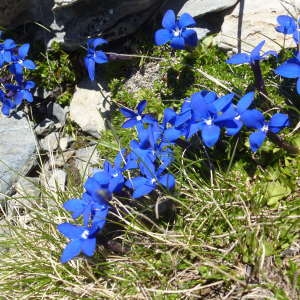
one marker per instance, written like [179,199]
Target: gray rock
[64,142]
[54,110]
[57,181]
[251,22]
[85,159]
[17,150]
[28,186]
[197,8]
[88,107]
[45,127]
[50,142]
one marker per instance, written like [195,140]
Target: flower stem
[259,81]
[283,144]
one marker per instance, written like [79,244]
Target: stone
[56,112]
[50,142]
[28,186]
[197,8]
[64,142]
[57,181]
[17,150]
[85,159]
[88,107]
[251,22]
[44,127]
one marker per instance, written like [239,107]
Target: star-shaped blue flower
[82,238]
[176,32]
[94,56]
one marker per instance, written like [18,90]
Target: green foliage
[55,73]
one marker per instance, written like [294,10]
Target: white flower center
[208,122]
[265,128]
[20,61]
[237,117]
[138,118]
[115,175]
[153,180]
[85,234]
[177,32]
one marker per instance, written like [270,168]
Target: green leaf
[276,191]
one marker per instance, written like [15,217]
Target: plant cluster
[143,167]
[14,86]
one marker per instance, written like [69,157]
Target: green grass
[228,229]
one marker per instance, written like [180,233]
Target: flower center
[153,180]
[115,175]
[85,234]
[208,121]
[138,118]
[20,61]
[237,117]
[265,128]
[177,32]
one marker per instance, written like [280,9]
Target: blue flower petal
[298,86]
[253,118]
[186,20]
[245,102]
[88,246]
[93,43]
[278,122]
[169,19]
[143,190]
[70,231]
[167,180]
[240,58]
[288,70]
[100,57]
[23,50]
[162,36]
[76,206]
[255,53]
[141,106]
[171,134]
[234,130]
[129,123]
[29,64]
[224,102]
[177,43]
[90,66]
[190,37]
[72,249]
[256,139]
[210,135]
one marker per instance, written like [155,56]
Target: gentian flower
[244,58]
[176,31]
[19,61]
[5,51]
[94,56]
[7,104]
[291,69]
[144,185]
[239,109]
[88,207]
[136,118]
[21,92]
[255,119]
[83,239]
[287,24]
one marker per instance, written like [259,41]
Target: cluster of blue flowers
[14,88]
[144,166]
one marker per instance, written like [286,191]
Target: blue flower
[287,24]
[89,208]
[19,61]
[5,51]
[82,238]
[291,69]
[255,119]
[21,92]
[239,109]
[94,56]
[7,104]
[176,31]
[136,118]
[244,58]
[144,185]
